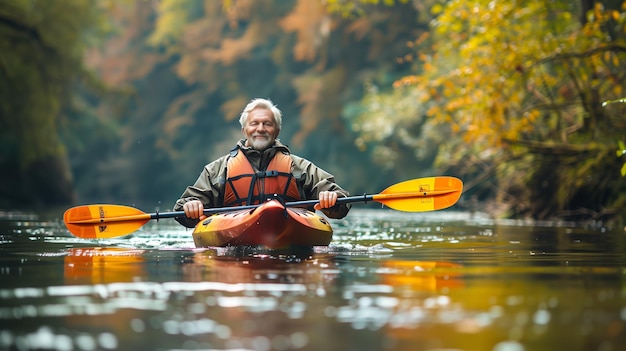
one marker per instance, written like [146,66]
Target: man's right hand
[327,199]
[194,209]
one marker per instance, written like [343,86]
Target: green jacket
[209,187]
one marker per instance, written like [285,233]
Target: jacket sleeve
[315,180]
[208,188]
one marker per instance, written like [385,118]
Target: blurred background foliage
[124,101]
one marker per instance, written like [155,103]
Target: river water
[389,281]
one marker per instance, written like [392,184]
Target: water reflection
[385,283]
[98,265]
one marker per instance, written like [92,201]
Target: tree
[42,50]
[524,83]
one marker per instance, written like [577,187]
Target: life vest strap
[266,174]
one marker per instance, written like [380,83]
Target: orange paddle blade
[423,194]
[103,221]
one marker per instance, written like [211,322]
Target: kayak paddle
[416,195]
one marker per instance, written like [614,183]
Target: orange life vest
[246,185]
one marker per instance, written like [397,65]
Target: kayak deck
[271,225]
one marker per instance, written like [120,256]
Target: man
[259,167]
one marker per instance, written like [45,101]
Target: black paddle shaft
[303,203]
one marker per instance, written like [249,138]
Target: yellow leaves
[436,9]
[621,152]
[618,90]
[598,11]
[486,47]
[355,7]
[615,15]
[531,116]
[598,17]
[170,22]
[434,111]
[615,60]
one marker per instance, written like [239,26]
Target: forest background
[120,101]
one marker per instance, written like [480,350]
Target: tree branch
[551,148]
[589,53]
[30,32]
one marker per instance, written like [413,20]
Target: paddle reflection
[428,276]
[103,265]
[421,294]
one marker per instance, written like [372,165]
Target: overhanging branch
[580,55]
[30,32]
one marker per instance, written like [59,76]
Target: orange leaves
[315,95]
[173,124]
[121,60]
[232,50]
[407,80]
[435,111]
[232,107]
[311,25]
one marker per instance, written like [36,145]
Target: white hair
[264,104]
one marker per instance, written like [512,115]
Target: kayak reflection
[244,265]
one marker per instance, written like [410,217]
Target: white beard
[260,144]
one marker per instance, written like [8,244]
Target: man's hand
[327,199]
[194,209]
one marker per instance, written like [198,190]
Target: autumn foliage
[523,99]
[525,90]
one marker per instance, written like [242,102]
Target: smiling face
[260,129]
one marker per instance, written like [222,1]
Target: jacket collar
[278,145]
[260,159]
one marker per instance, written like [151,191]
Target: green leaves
[621,152]
[43,45]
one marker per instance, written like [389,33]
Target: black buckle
[265,174]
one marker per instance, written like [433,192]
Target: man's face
[260,129]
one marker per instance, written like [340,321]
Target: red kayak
[271,224]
